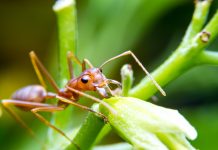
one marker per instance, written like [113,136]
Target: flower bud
[127,79]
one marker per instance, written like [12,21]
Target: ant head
[89,80]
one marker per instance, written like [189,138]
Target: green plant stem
[66,18]
[212,27]
[66,15]
[198,19]
[181,60]
[207,57]
[87,134]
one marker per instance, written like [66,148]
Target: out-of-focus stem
[65,11]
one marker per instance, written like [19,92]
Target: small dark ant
[32,97]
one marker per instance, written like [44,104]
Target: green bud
[148,126]
[127,79]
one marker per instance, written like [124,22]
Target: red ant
[32,97]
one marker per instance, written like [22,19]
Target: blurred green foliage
[152,29]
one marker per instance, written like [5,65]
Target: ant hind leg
[42,119]
[34,107]
[5,104]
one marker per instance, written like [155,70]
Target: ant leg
[110,81]
[34,108]
[27,105]
[92,98]
[46,122]
[108,89]
[82,107]
[140,64]
[5,105]
[83,64]
[42,119]
[102,92]
[70,56]
[38,66]
[86,61]
[70,65]
[113,92]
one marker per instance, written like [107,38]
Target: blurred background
[151,29]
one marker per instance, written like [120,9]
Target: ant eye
[84,80]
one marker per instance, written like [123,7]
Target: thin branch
[198,20]
[88,132]
[65,11]
[212,27]
[207,57]
[66,18]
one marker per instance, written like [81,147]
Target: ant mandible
[32,97]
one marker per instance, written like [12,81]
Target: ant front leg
[82,107]
[92,98]
[42,119]
[115,91]
[46,122]
[102,92]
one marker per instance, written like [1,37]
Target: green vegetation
[107,26]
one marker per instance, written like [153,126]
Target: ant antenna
[140,64]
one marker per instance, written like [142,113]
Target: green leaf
[148,126]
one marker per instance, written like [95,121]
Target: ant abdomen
[32,93]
